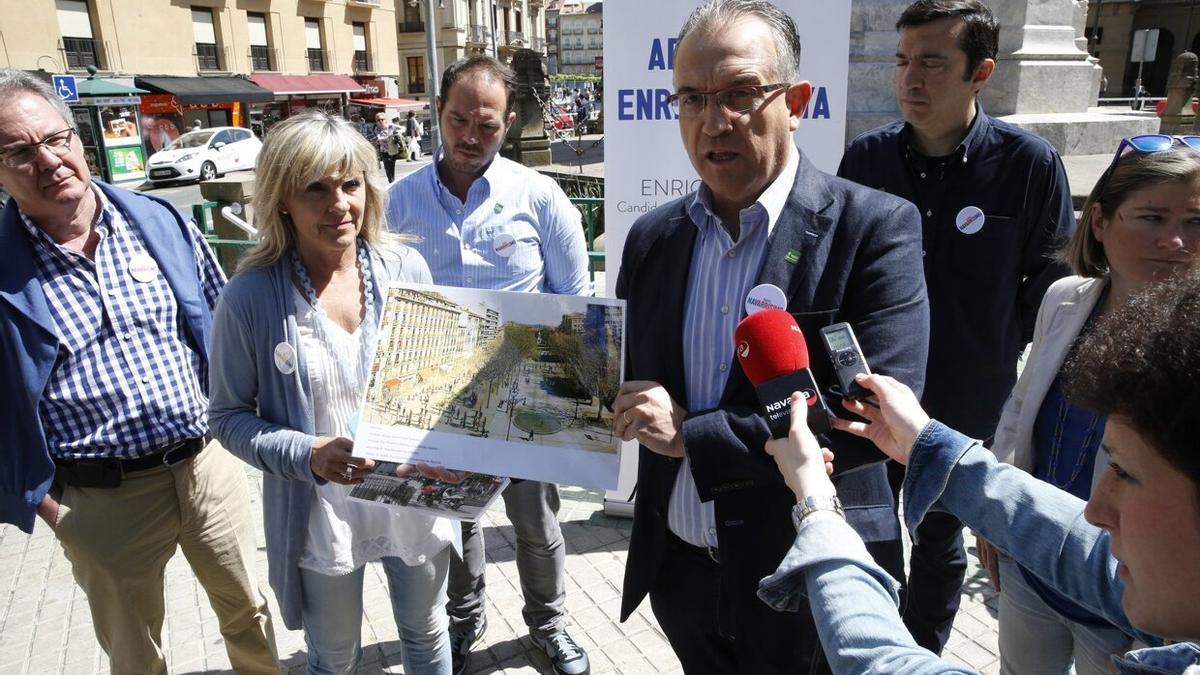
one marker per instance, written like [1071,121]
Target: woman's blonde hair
[301,150]
[1134,171]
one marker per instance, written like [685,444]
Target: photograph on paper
[467,500]
[510,384]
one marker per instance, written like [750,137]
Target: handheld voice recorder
[848,359]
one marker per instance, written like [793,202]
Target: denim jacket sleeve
[1034,523]
[853,602]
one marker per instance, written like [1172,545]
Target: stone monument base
[1094,132]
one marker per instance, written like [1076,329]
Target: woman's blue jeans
[333,610]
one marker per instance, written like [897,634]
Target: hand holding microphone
[774,356]
[804,464]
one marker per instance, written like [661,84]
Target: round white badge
[143,268]
[504,245]
[765,296]
[969,220]
[285,358]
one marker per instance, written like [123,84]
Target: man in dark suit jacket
[712,517]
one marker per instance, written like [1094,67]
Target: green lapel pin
[792,257]
[499,207]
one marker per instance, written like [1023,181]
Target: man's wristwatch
[812,504]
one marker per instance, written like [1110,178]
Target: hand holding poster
[512,384]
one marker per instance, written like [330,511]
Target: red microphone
[774,356]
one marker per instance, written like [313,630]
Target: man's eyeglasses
[737,100]
[16,156]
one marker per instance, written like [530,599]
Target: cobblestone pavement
[45,626]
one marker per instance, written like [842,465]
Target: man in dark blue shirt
[995,207]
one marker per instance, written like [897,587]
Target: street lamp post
[435,134]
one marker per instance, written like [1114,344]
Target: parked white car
[204,154]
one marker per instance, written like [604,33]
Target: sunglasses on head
[1146,144]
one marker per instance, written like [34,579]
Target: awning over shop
[98,87]
[308,84]
[401,104]
[193,90]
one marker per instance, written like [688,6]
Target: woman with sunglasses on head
[1128,554]
[293,339]
[1140,225]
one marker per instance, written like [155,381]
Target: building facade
[1168,26]
[580,45]
[311,53]
[426,331]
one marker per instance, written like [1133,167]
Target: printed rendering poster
[511,384]
[467,500]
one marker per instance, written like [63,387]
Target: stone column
[1045,81]
[527,139]
[1041,68]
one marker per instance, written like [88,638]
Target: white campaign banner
[645,164]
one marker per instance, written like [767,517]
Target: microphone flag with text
[774,356]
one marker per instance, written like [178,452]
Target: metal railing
[592,210]
[263,58]
[479,35]
[412,26]
[208,56]
[318,60]
[362,62]
[514,38]
[79,53]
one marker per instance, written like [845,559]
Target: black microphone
[774,356]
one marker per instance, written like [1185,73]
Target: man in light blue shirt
[487,222]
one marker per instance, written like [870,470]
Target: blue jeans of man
[532,507]
[333,609]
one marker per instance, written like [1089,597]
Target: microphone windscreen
[769,344]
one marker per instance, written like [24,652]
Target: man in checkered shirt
[105,310]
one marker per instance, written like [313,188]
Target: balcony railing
[479,35]
[318,60]
[362,62]
[417,87]
[79,53]
[412,26]
[263,58]
[208,56]
[515,38]
[537,44]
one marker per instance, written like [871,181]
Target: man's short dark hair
[1142,365]
[483,64]
[980,37]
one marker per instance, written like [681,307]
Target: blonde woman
[293,337]
[1140,225]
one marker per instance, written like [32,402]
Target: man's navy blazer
[859,260]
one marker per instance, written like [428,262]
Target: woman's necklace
[355,375]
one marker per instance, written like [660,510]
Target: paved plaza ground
[45,626]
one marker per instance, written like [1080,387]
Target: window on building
[312,41]
[208,57]
[260,50]
[78,44]
[362,62]
[416,74]
[411,22]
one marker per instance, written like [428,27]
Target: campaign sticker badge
[792,257]
[504,245]
[143,268]
[765,296]
[285,358]
[969,220]
[499,207]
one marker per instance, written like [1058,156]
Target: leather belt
[710,552]
[107,471]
